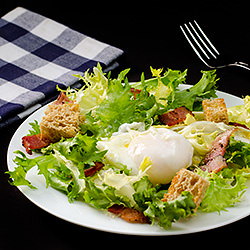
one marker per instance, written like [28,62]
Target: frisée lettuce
[108,101]
[148,199]
[241,113]
[165,89]
[111,103]
[94,91]
[62,164]
[226,188]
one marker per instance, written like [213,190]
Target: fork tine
[206,38]
[193,47]
[192,35]
[203,42]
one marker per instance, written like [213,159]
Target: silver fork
[203,47]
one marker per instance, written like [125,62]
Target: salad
[123,158]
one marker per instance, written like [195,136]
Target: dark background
[149,34]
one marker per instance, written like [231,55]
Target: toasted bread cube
[215,110]
[61,120]
[186,180]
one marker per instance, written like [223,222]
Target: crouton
[215,110]
[186,180]
[61,120]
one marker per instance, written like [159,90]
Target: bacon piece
[236,124]
[33,142]
[92,170]
[116,209]
[135,92]
[62,99]
[134,216]
[176,116]
[219,145]
[214,161]
[129,214]
[215,165]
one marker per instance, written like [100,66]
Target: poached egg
[167,150]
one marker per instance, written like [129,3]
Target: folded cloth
[36,54]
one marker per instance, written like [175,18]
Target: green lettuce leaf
[79,149]
[168,96]
[107,103]
[165,213]
[240,113]
[23,166]
[163,87]
[35,128]
[62,165]
[148,199]
[102,197]
[123,183]
[171,79]
[93,93]
[192,97]
[120,106]
[226,188]
[237,154]
[78,182]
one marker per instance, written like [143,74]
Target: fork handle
[241,64]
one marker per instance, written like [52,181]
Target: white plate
[82,214]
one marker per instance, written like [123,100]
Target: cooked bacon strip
[236,124]
[134,216]
[129,214]
[33,142]
[176,116]
[92,170]
[116,209]
[62,99]
[215,165]
[219,145]
[214,161]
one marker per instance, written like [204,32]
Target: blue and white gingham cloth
[36,54]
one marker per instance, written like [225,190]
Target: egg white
[168,151]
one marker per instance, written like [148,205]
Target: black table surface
[150,36]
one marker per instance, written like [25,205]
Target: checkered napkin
[36,54]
